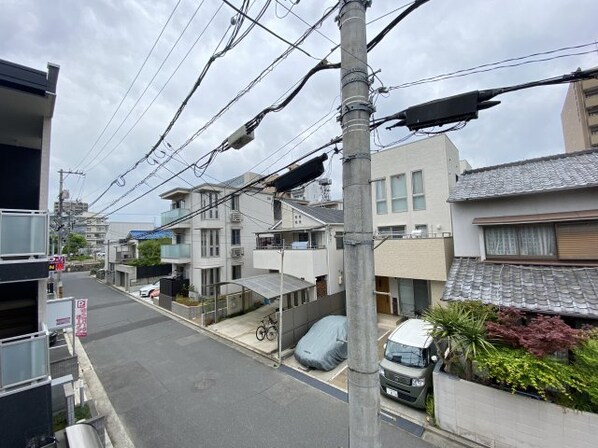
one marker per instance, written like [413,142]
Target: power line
[239,95]
[232,42]
[488,67]
[149,84]
[131,85]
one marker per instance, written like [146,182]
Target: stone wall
[499,419]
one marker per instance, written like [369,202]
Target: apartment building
[27,98]
[412,223]
[94,228]
[526,236]
[72,208]
[579,117]
[215,245]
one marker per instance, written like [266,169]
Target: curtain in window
[417,186]
[398,189]
[381,207]
[537,240]
[501,240]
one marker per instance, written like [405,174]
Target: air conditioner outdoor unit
[236,217]
[237,252]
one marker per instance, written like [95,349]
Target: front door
[382,295]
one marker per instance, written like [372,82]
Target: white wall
[438,158]
[468,238]
[499,419]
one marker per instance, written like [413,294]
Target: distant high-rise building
[71,207]
[579,116]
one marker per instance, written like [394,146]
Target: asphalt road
[175,386]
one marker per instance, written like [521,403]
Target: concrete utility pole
[363,381]
[60,220]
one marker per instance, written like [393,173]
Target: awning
[536,218]
[268,285]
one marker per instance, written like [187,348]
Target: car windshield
[406,355]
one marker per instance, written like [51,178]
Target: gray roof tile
[552,173]
[565,290]
[323,214]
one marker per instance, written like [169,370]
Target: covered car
[325,345]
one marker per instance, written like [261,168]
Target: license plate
[392,392]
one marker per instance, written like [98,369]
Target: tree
[463,327]
[74,242]
[541,335]
[149,252]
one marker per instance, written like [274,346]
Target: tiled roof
[149,235]
[323,214]
[552,173]
[564,290]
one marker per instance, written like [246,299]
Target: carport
[295,291]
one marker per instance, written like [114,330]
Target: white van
[409,360]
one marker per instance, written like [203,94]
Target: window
[398,192]
[236,272]
[381,207]
[423,228]
[234,203]
[528,241]
[210,243]
[417,190]
[577,241]
[209,279]
[340,243]
[392,231]
[296,218]
[235,237]
[413,296]
[209,199]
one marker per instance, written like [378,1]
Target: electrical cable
[131,85]
[232,42]
[389,13]
[376,40]
[498,65]
[148,85]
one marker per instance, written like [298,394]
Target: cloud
[101,45]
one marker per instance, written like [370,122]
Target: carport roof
[268,285]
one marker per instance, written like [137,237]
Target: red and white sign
[56,263]
[80,317]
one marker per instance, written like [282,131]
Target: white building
[214,245]
[526,235]
[412,222]
[313,245]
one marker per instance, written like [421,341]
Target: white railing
[400,236]
[23,360]
[23,233]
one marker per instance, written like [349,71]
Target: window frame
[394,198]
[418,195]
[380,200]
[518,228]
[210,243]
[209,198]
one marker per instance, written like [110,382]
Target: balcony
[173,215]
[176,253]
[299,260]
[591,101]
[23,234]
[426,257]
[594,139]
[24,360]
[593,120]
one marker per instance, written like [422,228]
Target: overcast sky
[101,44]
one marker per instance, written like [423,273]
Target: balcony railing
[415,234]
[299,245]
[23,360]
[23,233]
[175,251]
[172,215]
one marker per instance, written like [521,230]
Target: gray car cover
[325,345]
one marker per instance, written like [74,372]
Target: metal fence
[298,320]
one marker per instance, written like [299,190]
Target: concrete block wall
[499,419]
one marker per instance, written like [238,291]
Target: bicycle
[267,329]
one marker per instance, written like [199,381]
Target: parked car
[409,360]
[325,345]
[147,290]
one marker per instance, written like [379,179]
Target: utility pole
[363,381]
[61,229]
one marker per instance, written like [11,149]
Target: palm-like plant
[464,331]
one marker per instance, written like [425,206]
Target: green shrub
[521,371]
[186,301]
[585,370]
[59,419]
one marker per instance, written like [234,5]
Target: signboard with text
[80,317]
[60,313]
[56,263]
